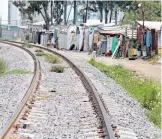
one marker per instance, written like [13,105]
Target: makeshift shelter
[62,38]
[111,38]
[71,37]
[152,36]
[89,30]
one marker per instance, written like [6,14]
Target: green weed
[57,68]
[27,45]
[145,91]
[52,58]
[38,50]
[3,66]
[18,71]
[40,54]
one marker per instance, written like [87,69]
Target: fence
[12,33]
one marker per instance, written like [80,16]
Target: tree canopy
[152,10]
[42,7]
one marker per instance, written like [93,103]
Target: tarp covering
[114,44]
[112,30]
[93,23]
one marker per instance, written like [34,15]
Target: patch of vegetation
[145,91]
[40,54]
[3,66]
[38,50]
[154,59]
[18,71]
[4,39]
[52,58]
[27,45]
[58,68]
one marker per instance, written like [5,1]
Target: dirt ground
[143,68]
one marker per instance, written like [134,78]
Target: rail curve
[86,82]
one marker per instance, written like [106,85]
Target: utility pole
[75,8]
[143,19]
[65,10]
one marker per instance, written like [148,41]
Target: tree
[51,12]
[25,12]
[75,12]
[65,11]
[58,11]
[86,12]
[41,7]
[106,9]
[152,12]
[100,7]
[86,8]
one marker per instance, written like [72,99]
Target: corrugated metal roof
[93,22]
[110,32]
[111,28]
[151,24]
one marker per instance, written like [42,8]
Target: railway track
[32,113]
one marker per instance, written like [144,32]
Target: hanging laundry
[41,39]
[96,38]
[109,43]
[73,41]
[86,39]
[80,38]
[148,39]
[91,39]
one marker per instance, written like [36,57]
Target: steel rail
[31,89]
[109,134]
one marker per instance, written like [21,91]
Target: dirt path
[139,66]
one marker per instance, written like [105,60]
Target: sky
[4,11]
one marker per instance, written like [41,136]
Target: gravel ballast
[63,106]
[13,86]
[126,111]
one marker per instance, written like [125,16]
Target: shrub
[57,68]
[27,45]
[38,50]
[2,66]
[39,54]
[52,59]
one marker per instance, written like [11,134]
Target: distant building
[14,15]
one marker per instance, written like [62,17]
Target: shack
[110,39]
[150,38]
